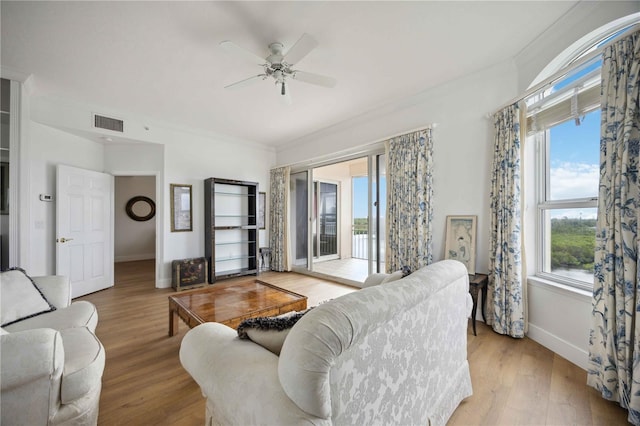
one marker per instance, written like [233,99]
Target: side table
[478,282]
[265,252]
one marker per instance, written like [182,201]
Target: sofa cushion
[269,332]
[83,363]
[20,298]
[78,314]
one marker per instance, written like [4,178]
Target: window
[564,123]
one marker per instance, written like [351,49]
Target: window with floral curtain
[409,200]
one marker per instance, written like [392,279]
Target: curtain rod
[360,149]
[562,72]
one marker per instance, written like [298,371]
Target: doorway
[339,224]
[135,223]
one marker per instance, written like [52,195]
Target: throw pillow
[20,298]
[405,271]
[269,332]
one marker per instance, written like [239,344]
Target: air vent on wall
[108,123]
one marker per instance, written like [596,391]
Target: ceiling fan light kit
[278,66]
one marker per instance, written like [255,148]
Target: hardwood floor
[515,382]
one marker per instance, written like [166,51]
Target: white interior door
[84,229]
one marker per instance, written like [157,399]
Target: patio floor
[349,269]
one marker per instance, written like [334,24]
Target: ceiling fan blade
[245,82]
[248,55]
[303,46]
[317,79]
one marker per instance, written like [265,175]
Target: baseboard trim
[163,283]
[567,350]
[134,257]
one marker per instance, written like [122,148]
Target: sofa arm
[56,288]
[374,279]
[30,375]
[238,377]
[29,355]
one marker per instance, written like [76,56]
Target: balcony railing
[359,239]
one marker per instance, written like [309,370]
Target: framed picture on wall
[181,208]
[460,242]
[262,203]
[140,208]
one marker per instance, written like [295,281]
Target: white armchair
[51,364]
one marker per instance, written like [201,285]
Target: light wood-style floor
[515,382]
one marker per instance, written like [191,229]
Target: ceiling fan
[278,65]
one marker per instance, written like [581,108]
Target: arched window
[563,122]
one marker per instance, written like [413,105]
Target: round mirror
[141,208]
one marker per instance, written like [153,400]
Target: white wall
[49,147]
[133,240]
[171,153]
[560,319]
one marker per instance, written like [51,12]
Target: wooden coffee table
[232,302]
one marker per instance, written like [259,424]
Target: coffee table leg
[173,320]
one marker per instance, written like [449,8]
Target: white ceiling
[162,59]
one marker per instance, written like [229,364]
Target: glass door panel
[299,217]
[326,217]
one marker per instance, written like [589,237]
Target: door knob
[63,240]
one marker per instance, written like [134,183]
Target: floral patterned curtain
[505,303]
[409,200]
[279,220]
[614,341]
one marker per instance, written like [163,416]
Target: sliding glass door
[338,218]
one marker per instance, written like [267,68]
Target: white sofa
[393,354]
[51,364]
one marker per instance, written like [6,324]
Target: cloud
[574,180]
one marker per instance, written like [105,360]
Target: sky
[360,196]
[575,162]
